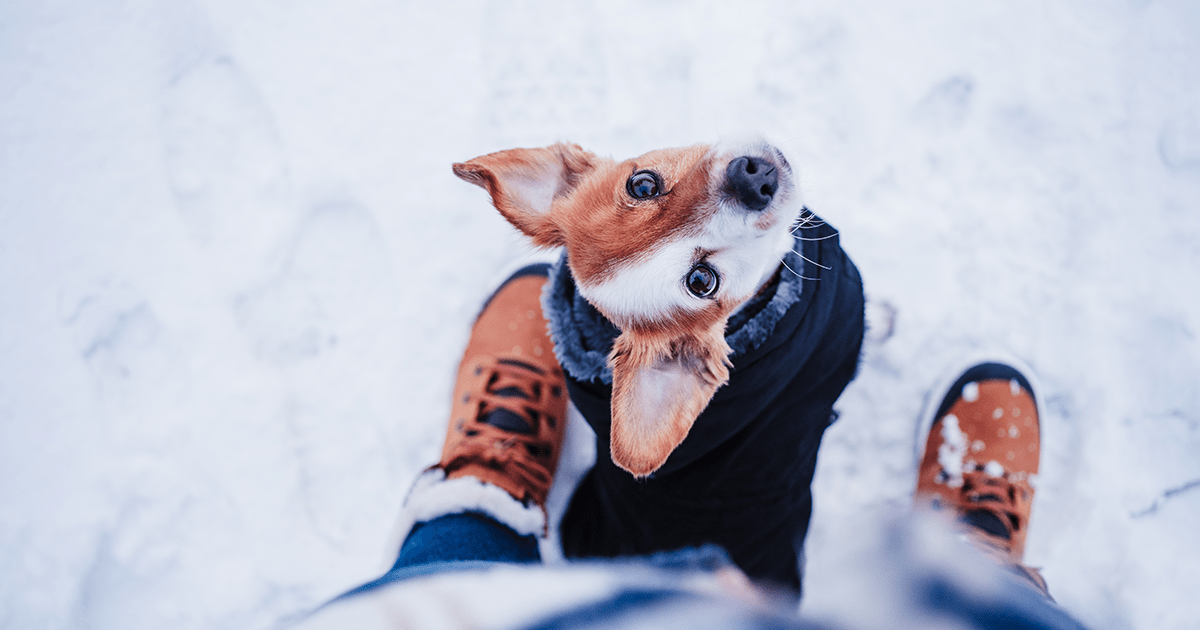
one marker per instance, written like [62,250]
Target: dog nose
[753,181]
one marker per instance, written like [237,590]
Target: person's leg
[982,451]
[485,499]
[469,536]
[456,541]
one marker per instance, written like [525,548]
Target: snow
[994,468]
[952,450]
[236,270]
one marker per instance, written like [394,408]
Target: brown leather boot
[510,399]
[980,456]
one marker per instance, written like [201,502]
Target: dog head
[666,245]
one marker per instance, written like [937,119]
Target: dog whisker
[802,257]
[803,225]
[807,220]
[789,268]
[819,238]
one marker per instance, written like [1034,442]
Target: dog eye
[702,281]
[643,185]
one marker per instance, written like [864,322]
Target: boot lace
[507,430]
[995,505]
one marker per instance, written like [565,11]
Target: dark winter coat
[742,477]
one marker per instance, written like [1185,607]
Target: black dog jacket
[741,479]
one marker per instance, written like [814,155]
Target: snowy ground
[236,271]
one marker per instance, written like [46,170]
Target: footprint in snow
[226,169]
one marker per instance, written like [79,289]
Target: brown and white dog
[667,246]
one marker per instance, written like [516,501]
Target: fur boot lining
[433,495]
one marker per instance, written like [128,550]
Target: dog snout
[752,181]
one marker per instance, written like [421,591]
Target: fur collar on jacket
[583,337]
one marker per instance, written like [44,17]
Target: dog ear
[659,388]
[524,183]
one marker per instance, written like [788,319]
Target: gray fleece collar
[583,337]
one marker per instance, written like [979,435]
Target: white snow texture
[236,271]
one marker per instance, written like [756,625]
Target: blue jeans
[456,542]
[469,541]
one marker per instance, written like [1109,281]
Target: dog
[667,246]
[706,323]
